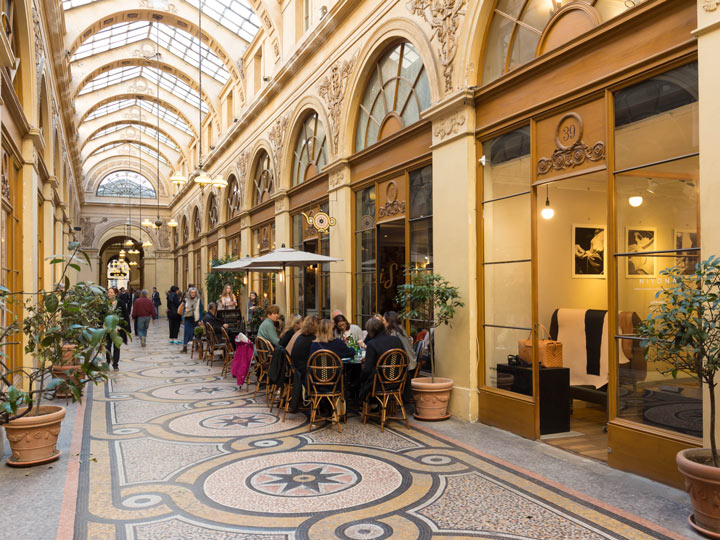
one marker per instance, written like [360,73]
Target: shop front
[588,191]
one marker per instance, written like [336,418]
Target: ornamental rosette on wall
[332,90]
[443,16]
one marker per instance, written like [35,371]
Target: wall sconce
[245,279]
[280,276]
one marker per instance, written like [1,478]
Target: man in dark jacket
[174,320]
[211,319]
[156,302]
[378,345]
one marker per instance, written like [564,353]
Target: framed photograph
[686,239]
[639,239]
[588,260]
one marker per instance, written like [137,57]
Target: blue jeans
[188,329]
[142,326]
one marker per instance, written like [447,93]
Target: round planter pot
[64,373]
[702,482]
[33,438]
[431,398]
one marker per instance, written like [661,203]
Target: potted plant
[32,427]
[428,299]
[215,281]
[683,331]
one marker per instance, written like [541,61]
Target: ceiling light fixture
[635,200]
[172,223]
[547,212]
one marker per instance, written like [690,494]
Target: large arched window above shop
[213,212]
[264,178]
[197,224]
[520,30]
[126,184]
[234,197]
[310,150]
[397,92]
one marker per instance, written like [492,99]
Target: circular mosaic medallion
[365,531]
[313,482]
[142,501]
[126,431]
[179,371]
[265,443]
[436,460]
[303,479]
[231,422]
[196,391]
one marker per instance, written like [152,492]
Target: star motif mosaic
[240,419]
[304,479]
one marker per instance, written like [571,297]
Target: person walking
[156,302]
[192,314]
[118,307]
[143,311]
[174,318]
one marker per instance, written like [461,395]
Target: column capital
[338,174]
[452,117]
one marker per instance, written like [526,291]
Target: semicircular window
[396,93]
[126,184]
[310,150]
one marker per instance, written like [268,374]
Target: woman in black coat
[299,358]
[174,320]
[379,344]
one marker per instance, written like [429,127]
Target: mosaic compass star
[243,420]
[206,390]
[303,480]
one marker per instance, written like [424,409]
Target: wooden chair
[325,382]
[230,347]
[263,355]
[198,344]
[287,389]
[387,387]
[214,346]
[280,390]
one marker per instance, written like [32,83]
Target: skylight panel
[129,130]
[166,115]
[112,37]
[126,184]
[130,145]
[185,46]
[69,4]
[110,108]
[111,77]
[236,15]
[175,86]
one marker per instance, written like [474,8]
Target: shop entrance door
[391,263]
[572,308]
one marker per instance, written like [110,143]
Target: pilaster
[340,200]
[283,235]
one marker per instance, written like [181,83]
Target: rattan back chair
[325,382]
[387,387]
[215,348]
[263,355]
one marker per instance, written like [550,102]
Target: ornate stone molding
[165,5]
[332,90]
[277,136]
[711,5]
[449,126]
[282,204]
[570,149]
[336,179]
[39,44]
[443,16]
[244,220]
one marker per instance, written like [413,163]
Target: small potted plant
[429,300]
[32,427]
[683,331]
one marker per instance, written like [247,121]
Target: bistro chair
[230,348]
[263,355]
[214,348]
[286,393]
[198,344]
[387,387]
[278,392]
[325,382]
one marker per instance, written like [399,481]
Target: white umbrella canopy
[242,265]
[289,257]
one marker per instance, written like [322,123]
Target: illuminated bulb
[134,251]
[219,182]
[635,201]
[147,244]
[122,253]
[547,213]
[280,276]
[178,179]
[203,179]
[128,242]
[133,263]
[146,223]
[245,279]
[172,223]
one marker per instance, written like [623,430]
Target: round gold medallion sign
[569,131]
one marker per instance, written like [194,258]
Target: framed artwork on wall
[686,239]
[640,239]
[588,248]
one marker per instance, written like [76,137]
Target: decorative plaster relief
[443,16]
[165,5]
[449,126]
[332,90]
[277,136]
[88,226]
[245,221]
[336,179]
[711,5]
[281,204]
[573,151]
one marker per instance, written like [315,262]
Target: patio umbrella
[242,265]
[285,257]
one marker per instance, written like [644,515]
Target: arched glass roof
[129,128]
[131,148]
[153,108]
[126,184]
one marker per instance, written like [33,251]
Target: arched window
[264,178]
[235,197]
[126,184]
[396,93]
[197,225]
[514,35]
[213,212]
[310,150]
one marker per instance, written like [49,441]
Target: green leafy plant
[430,300]
[257,316]
[198,331]
[215,281]
[76,315]
[683,329]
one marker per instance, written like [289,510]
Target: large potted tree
[215,281]
[430,301]
[32,425]
[683,332]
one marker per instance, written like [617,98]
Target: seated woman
[343,329]
[380,343]
[292,326]
[299,358]
[327,340]
[394,328]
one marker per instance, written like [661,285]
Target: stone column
[283,235]
[455,243]
[340,201]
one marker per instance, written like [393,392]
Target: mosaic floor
[170,450]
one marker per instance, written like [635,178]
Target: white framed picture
[686,239]
[640,239]
[588,245]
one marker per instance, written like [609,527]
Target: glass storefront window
[364,255]
[656,193]
[506,259]
[421,243]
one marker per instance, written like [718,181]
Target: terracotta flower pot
[65,371]
[702,482]
[431,398]
[33,439]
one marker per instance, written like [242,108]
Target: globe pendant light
[635,200]
[178,179]
[547,212]
[172,223]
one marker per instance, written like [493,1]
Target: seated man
[379,342]
[267,328]
[211,319]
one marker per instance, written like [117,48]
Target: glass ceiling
[130,128]
[165,114]
[127,146]
[126,184]
[180,43]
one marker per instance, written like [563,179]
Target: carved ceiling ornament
[571,151]
[277,136]
[443,16]
[449,126]
[332,90]
[165,5]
